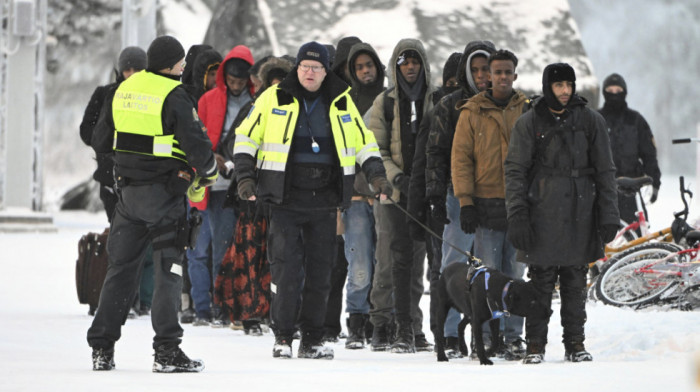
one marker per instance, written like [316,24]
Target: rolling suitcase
[91,268]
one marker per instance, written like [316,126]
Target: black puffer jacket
[105,162]
[188,73]
[442,130]
[565,210]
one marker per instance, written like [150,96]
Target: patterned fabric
[243,284]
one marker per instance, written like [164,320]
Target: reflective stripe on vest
[137,109]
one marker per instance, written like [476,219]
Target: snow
[43,342]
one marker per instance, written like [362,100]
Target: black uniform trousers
[141,209]
[572,291]
[302,250]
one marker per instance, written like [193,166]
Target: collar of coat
[482,102]
[290,88]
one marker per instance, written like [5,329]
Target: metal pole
[138,22]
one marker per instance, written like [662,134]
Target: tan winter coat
[389,135]
[480,147]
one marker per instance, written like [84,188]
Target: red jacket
[212,105]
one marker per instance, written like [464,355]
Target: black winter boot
[173,360]
[576,352]
[380,338]
[404,342]
[282,347]
[356,331]
[535,353]
[314,349]
[102,358]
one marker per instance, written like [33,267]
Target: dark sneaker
[421,343]
[144,310]
[314,350]
[404,342]
[173,360]
[356,331]
[534,354]
[187,316]
[102,358]
[515,350]
[576,352]
[452,350]
[201,321]
[330,337]
[282,347]
[380,340]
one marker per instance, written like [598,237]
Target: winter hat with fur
[164,52]
[557,72]
[132,57]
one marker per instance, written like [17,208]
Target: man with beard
[562,203]
[632,143]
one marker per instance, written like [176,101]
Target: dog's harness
[501,311]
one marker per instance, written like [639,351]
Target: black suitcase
[91,268]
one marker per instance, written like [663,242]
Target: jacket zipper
[257,122]
[362,131]
[342,131]
[286,128]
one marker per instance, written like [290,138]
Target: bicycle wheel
[628,235]
[622,284]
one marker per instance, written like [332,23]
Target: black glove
[608,232]
[246,188]
[468,219]
[380,185]
[654,195]
[438,210]
[401,181]
[520,232]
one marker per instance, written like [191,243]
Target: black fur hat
[557,72]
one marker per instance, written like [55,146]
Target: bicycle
[647,273]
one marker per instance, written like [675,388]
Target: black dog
[482,294]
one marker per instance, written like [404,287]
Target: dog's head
[524,300]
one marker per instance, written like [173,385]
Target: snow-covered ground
[43,346]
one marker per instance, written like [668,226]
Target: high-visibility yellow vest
[137,109]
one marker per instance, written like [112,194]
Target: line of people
[321,162]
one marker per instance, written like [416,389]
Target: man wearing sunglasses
[296,151]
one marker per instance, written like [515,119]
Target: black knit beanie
[451,65]
[615,80]
[314,51]
[164,52]
[132,57]
[238,68]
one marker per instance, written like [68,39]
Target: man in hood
[339,61]
[561,198]
[218,109]
[632,143]
[478,151]
[472,77]
[398,279]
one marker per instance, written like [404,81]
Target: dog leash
[471,259]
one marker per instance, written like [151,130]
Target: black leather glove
[380,185]
[654,195]
[246,188]
[468,219]
[520,232]
[438,210]
[608,232]
[401,181]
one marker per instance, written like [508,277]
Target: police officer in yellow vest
[299,144]
[158,140]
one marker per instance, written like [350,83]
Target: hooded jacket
[479,149]
[631,140]
[566,185]
[202,64]
[439,145]
[213,104]
[395,140]
[362,94]
[342,53]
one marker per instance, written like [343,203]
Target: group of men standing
[518,182]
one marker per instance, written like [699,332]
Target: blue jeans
[453,233]
[494,250]
[217,230]
[360,239]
